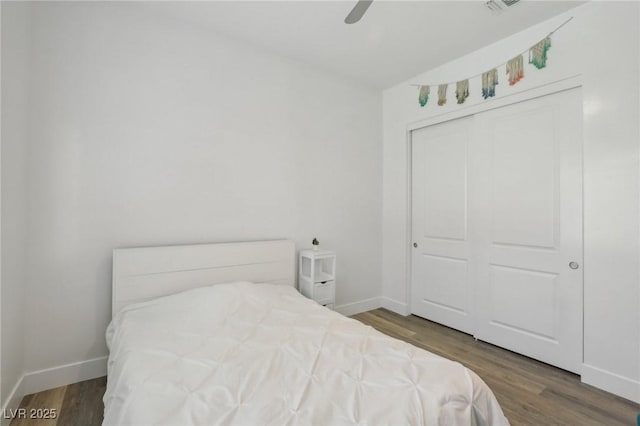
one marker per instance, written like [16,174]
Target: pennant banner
[514,69]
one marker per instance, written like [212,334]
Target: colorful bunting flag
[515,70]
[538,53]
[489,82]
[442,94]
[462,91]
[423,95]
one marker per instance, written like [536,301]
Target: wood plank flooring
[79,404]
[530,392]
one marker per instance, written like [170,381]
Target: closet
[496,226]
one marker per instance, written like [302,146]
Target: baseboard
[358,307]
[63,375]
[12,402]
[611,382]
[396,306]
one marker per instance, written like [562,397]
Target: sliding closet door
[528,244]
[441,288]
[497,227]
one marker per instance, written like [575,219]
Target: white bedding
[259,354]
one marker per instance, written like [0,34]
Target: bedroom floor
[530,392]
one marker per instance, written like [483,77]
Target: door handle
[574,265]
[415,245]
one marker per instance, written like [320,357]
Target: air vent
[497,6]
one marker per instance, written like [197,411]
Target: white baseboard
[396,306]
[50,378]
[374,303]
[12,402]
[358,307]
[611,382]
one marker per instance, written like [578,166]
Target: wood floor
[79,404]
[530,392]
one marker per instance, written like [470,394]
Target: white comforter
[258,354]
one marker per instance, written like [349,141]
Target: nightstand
[317,276]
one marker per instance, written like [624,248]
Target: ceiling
[393,42]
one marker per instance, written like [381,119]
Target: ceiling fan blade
[358,10]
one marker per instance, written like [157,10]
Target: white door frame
[536,92]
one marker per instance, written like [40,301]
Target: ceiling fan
[358,11]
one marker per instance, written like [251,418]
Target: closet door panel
[440,273]
[529,228]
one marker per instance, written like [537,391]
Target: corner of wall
[354,308]
[396,306]
[12,402]
[16,25]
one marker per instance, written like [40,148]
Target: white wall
[15,65]
[145,131]
[601,44]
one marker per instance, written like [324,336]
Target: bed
[217,334]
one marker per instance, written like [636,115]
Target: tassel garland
[489,82]
[462,91]
[423,95]
[442,94]
[538,53]
[515,70]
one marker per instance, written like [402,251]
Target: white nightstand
[317,276]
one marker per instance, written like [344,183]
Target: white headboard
[141,274]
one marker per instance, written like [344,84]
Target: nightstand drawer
[324,292]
